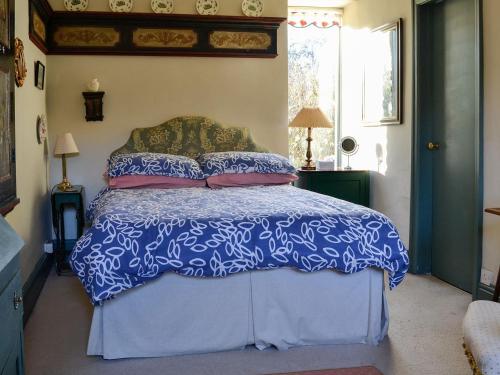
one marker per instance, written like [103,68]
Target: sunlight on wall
[372,141]
[385,150]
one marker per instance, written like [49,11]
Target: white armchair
[482,335]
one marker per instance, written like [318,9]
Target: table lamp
[310,118]
[65,144]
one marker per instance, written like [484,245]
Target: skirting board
[34,285]
[485,292]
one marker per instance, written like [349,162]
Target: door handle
[18,300]
[433,146]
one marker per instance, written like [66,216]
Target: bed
[195,270]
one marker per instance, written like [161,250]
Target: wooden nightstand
[60,201]
[352,186]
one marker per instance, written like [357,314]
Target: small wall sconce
[93,105]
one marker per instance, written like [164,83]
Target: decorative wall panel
[240,40]
[165,38]
[76,36]
[151,34]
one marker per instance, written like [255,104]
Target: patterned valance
[322,19]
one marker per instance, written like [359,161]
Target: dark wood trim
[140,18]
[419,254]
[115,33]
[34,285]
[43,10]
[9,207]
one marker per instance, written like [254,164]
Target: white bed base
[281,308]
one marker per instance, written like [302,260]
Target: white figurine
[93,85]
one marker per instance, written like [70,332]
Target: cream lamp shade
[65,144]
[311,118]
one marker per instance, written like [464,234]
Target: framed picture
[4,23]
[39,75]
[382,76]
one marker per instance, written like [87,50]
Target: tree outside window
[313,54]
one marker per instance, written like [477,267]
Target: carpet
[342,371]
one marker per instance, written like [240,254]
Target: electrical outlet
[486,277]
[48,248]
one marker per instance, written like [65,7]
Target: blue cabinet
[11,303]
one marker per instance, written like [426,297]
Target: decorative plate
[252,8]
[162,6]
[76,5]
[121,5]
[207,7]
[41,129]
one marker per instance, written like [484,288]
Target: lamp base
[65,185]
[308,168]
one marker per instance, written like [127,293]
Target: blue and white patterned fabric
[151,164]
[217,163]
[137,235]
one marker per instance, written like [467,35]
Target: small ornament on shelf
[162,6]
[252,8]
[76,5]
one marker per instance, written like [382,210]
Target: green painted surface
[352,186]
[11,349]
[189,136]
[446,197]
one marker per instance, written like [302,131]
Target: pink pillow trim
[160,182]
[249,179]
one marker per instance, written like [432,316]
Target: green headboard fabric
[189,136]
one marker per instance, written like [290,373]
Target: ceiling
[320,3]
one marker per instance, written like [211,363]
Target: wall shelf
[107,33]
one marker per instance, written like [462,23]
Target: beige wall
[385,150]
[146,91]
[491,234]
[226,7]
[31,217]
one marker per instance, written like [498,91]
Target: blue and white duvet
[136,235]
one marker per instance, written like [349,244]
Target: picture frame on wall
[382,76]
[4,25]
[39,75]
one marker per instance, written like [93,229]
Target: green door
[448,139]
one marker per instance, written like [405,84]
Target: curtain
[322,19]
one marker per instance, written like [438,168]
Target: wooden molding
[108,33]
[34,285]
[40,13]
[9,207]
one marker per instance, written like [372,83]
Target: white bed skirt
[281,308]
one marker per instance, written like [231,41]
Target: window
[313,56]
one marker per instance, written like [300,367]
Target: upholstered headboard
[189,136]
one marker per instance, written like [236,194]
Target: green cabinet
[352,186]
[11,303]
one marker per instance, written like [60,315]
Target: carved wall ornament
[75,36]
[170,38]
[20,63]
[152,34]
[240,40]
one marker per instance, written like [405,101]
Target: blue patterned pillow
[217,163]
[151,164]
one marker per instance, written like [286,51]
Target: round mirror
[349,145]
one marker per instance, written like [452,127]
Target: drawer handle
[18,300]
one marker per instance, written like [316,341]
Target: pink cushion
[160,182]
[249,179]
